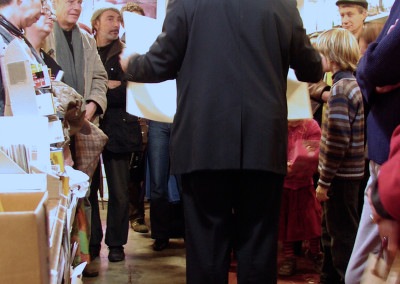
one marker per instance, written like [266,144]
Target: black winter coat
[230,59]
[122,129]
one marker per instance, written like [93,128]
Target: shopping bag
[378,271]
[88,147]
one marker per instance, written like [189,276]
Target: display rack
[61,217]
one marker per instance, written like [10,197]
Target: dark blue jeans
[166,218]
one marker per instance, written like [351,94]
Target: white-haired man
[76,53]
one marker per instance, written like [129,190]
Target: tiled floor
[145,266]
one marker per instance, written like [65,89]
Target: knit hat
[97,13]
[362,3]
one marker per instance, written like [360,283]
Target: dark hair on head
[4,3]
[371,31]
[132,7]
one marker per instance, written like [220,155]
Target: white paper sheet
[158,101]
[298,98]
[152,101]
[142,32]
[56,132]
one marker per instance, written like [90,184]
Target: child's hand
[321,194]
[289,169]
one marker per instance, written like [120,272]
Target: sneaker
[138,225]
[160,244]
[116,254]
[287,267]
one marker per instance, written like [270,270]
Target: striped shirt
[342,142]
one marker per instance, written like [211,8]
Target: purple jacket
[380,67]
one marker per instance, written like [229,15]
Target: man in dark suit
[229,136]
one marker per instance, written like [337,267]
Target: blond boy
[341,160]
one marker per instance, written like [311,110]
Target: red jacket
[389,178]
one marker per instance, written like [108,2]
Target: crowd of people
[231,172]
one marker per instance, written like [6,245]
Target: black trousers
[341,219]
[231,208]
[96,234]
[136,190]
[116,166]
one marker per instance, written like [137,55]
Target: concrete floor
[145,266]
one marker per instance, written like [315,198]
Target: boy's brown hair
[132,7]
[341,47]
[371,31]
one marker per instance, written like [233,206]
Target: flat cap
[362,3]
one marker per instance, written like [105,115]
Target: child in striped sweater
[341,158]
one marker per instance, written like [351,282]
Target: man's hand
[112,84]
[91,108]
[389,229]
[385,89]
[124,58]
[392,27]
[321,193]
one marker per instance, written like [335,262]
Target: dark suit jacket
[230,59]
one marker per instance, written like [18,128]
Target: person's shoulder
[347,88]
[84,28]
[119,43]
[86,34]
[88,39]
[344,84]
[122,44]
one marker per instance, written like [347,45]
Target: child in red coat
[300,211]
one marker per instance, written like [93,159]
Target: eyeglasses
[47,11]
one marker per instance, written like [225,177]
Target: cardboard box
[54,186]
[24,242]
[27,182]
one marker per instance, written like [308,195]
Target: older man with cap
[124,134]
[353,14]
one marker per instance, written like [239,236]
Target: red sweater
[389,178]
